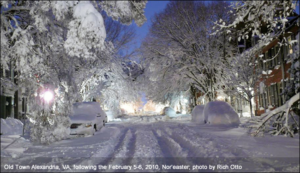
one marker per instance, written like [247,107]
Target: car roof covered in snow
[84,112]
[87,108]
[83,118]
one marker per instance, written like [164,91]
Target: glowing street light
[47,96]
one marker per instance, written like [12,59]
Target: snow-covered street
[152,144]
[150,86]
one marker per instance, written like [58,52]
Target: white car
[87,118]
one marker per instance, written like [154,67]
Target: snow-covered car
[87,118]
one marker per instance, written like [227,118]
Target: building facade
[13,102]
[268,92]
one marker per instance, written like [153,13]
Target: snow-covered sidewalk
[148,145]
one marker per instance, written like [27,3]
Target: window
[285,52]
[265,64]
[277,50]
[274,61]
[290,48]
[273,95]
[265,100]
[261,103]
[276,95]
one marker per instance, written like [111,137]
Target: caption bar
[122,167]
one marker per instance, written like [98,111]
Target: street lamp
[47,96]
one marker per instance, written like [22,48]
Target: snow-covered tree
[59,44]
[243,75]
[269,20]
[179,52]
[125,11]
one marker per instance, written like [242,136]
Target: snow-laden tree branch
[61,45]
[283,112]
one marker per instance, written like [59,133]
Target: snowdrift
[220,113]
[198,115]
[169,112]
[11,126]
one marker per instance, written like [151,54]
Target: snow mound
[198,115]
[169,112]
[11,126]
[220,113]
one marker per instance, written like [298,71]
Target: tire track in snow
[179,151]
[195,147]
[111,150]
[188,152]
[123,153]
[102,154]
[173,152]
[146,150]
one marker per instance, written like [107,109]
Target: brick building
[275,72]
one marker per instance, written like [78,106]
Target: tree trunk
[194,97]
[250,108]
[241,106]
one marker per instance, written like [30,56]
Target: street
[171,145]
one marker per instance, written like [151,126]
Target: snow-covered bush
[11,126]
[198,114]
[219,112]
[50,128]
[169,112]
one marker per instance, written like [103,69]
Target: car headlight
[88,125]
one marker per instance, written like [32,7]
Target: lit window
[290,46]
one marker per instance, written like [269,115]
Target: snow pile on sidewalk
[11,126]
[198,115]
[220,113]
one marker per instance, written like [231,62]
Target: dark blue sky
[153,7]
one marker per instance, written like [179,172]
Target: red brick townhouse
[275,73]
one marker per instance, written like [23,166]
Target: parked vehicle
[87,118]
